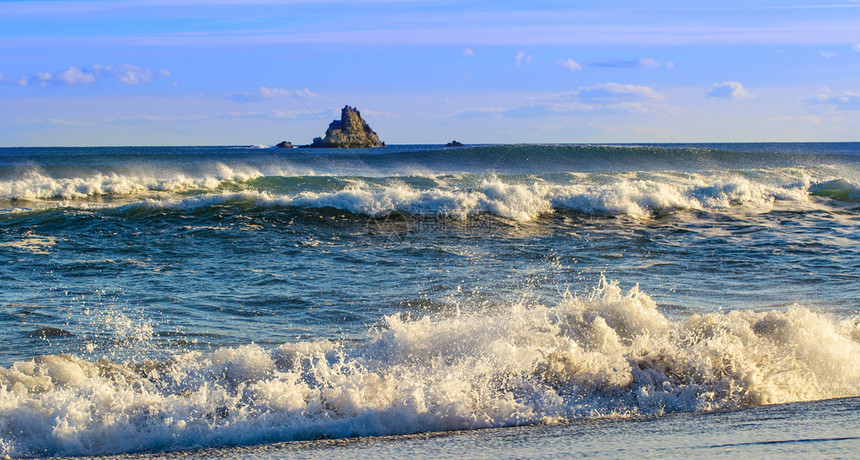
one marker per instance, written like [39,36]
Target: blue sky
[230,72]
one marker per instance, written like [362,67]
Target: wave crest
[639,195]
[839,189]
[606,354]
[37,185]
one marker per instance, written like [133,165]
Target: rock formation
[284,145]
[351,131]
[454,144]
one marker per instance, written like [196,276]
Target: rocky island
[351,131]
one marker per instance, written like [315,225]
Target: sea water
[524,300]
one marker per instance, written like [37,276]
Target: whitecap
[606,354]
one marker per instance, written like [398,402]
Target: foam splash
[606,354]
[637,195]
[38,185]
[633,194]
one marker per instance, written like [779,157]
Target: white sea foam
[636,195]
[38,185]
[605,354]
[522,198]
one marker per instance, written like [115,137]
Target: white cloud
[612,97]
[271,93]
[75,76]
[647,63]
[616,93]
[43,79]
[245,96]
[523,58]
[828,54]
[615,97]
[128,74]
[856,47]
[845,101]
[570,64]
[729,90]
[468,52]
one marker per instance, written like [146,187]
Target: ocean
[513,301]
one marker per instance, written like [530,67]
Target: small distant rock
[284,145]
[454,144]
[351,131]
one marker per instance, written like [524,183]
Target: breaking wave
[639,196]
[639,182]
[36,184]
[608,354]
[839,189]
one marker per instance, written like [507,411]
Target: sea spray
[604,354]
[174,298]
[636,195]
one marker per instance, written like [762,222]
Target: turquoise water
[176,298]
